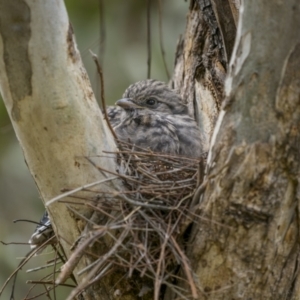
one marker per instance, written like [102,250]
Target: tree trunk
[245,244]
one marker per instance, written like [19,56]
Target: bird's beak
[127,103]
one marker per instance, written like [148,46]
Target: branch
[249,248]
[51,105]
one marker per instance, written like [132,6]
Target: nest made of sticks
[147,221]
[143,226]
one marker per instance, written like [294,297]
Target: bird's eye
[151,102]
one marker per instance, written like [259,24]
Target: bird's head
[153,95]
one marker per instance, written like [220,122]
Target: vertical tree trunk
[246,242]
[52,108]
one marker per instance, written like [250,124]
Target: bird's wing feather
[149,131]
[114,114]
[188,134]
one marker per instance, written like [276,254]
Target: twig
[85,282]
[102,30]
[66,194]
[48,282]
[70,265]
[160,269]
[94,56]
[187,268]
[22,263]
[148,39]
[162,50]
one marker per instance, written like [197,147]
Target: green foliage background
[124,62]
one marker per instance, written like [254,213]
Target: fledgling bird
[152,116]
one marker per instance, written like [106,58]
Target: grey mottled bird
[152,116]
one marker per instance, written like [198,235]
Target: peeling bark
[246,243]
[201,62]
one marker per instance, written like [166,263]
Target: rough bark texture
[52,107]
[202,59]
[246,244]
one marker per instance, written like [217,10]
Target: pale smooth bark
[246,243]
[52,107]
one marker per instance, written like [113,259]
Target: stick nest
[140,231]
[147,221]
